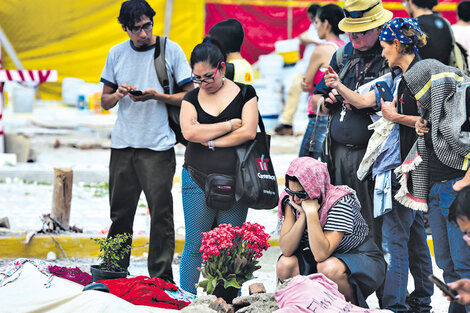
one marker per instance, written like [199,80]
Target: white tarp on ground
[28,294]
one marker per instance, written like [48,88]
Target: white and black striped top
[346,217]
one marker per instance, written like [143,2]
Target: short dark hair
[313,8]
[463,11]
[229,34]
[292,179]
[460,206]
[132,11]
[425,4]
[208,51]
[333,14]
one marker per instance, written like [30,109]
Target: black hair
[460,206]
[229,34]
[425,4]
[333,14]
[313,8]
[208,51]
[463,11]
[291,178]
[132,11]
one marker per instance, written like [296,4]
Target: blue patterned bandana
[392,30]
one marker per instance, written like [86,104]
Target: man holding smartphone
[357,63]
[142,154]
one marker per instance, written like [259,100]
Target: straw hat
[363,15]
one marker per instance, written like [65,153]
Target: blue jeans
[451,252]
[404,246]
[199,218]
[319,138]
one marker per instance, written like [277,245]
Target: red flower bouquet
[230,254]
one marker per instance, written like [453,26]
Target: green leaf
[231,283]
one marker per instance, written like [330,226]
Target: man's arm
[111,95]
[172,99]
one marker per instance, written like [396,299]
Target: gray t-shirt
[143,124]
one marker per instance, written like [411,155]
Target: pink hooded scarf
[315,179]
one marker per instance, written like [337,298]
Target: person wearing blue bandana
[403,234]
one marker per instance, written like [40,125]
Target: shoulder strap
[344,62]
[340,55]
[229,70]
[160,66]
[260,119]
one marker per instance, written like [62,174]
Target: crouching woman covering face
[323,231]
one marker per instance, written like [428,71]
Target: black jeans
[346,162]
[132,171]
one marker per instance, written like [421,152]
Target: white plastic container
[270,66]
[269,92]
[23,99]
[288,49]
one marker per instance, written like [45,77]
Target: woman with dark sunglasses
[323,231]
[215,118]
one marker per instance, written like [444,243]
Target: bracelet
[211,145]
[231,125]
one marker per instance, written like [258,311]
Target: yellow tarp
[74,36]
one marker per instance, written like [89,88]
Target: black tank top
[221,160]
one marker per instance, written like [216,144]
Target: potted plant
[230,257]
[112,251]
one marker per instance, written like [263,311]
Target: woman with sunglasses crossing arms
[323,231]
[215,118]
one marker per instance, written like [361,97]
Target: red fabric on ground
[143,290]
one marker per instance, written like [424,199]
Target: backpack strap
[229,70]
[260,119]
[160,66]
[344,61]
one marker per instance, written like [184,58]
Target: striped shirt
[346,217]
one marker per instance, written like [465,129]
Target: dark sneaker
[284,129]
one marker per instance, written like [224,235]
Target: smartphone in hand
[384,91]
[135,92]
[452,294]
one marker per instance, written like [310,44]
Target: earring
[223,79]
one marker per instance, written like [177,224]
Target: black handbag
[256,182]
[219,191]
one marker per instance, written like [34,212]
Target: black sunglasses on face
[299,194]
[360,13]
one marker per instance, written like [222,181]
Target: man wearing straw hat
[356,63]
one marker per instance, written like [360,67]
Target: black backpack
[173,111]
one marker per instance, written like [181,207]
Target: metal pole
[168,15]
[289,20]
[2,142]
[10,50]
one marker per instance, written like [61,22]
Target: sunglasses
[207,78]
[299,194]
[360,34]
[360,13]
[137,29]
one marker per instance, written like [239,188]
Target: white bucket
[270,66]
[23,99]
[270,96]
[270,121]
[288,49]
